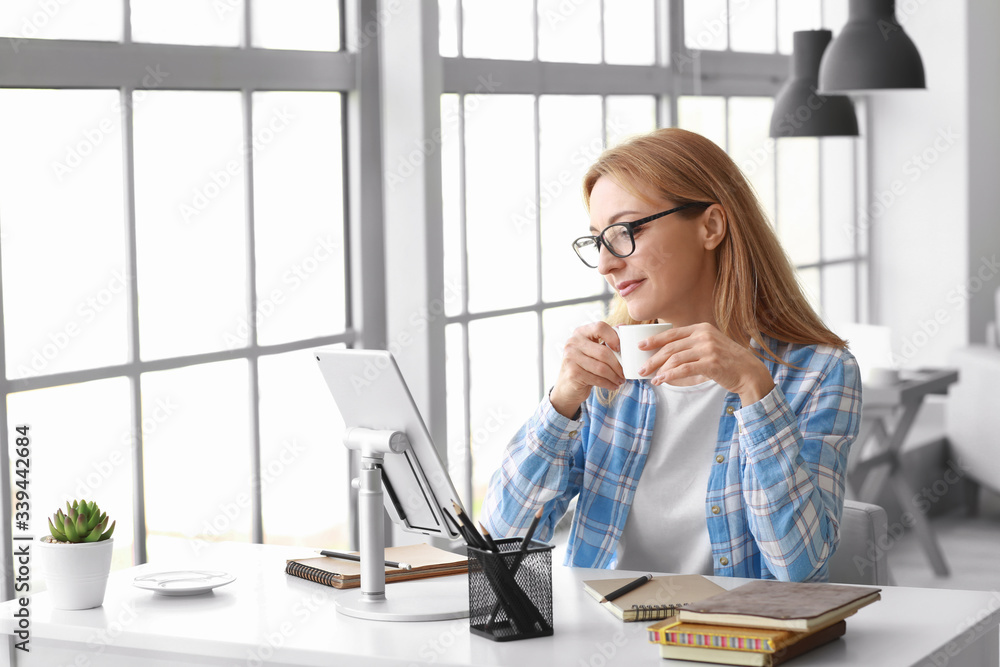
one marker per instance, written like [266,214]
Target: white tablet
[370,393]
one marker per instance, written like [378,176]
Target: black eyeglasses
[618,238]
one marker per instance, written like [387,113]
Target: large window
[173,237]
[573,82]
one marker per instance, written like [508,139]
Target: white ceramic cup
[631,357]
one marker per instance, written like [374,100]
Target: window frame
[678,71]
[352,72]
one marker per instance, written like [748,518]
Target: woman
[729,457]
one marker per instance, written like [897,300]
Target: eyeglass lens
[618,237]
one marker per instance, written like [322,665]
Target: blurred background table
[888,413]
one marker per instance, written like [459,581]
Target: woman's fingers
[589,361]
[679,365]
[594,380]
[662,355]
[597,364]
[609,335]
[584,352]
[664,337]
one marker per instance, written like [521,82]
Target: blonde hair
[756,291]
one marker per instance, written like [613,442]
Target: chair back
[861,556]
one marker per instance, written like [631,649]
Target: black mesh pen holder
[510,591]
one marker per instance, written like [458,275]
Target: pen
[630,586]
[337,554]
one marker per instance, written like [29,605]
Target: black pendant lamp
[871,53]
[799,111]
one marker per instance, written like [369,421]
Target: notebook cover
[660,597]
[768,603]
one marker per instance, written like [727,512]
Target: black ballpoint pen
[354,557]
[630,586]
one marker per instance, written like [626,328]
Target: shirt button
[719,458]
[723,561]
[572,434]
[715,509]
[730,409]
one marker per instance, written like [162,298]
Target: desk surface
[267,617]
[913,385]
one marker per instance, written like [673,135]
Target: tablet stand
[446,601]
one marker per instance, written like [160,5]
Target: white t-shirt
[666,528]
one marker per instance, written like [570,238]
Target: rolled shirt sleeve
[540,468]
[796,462]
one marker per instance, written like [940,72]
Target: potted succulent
[77,555]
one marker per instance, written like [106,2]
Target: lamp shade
[872,52]
[799,111]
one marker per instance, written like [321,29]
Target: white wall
[934,183]
[984,163]
[919,149]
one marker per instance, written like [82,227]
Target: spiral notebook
[426,561]
[658,598]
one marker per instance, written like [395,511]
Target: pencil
[476,539]
[354,557]
[461,528]
[458,527]
[531,530]
[630,586]
[489,540]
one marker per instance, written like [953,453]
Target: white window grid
[71,64]
[678,71]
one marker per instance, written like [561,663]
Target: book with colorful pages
[790,646]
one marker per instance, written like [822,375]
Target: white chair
[972,421]
[864,542]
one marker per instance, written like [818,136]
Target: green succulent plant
[82,522]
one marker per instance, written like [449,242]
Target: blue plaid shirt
[775,493]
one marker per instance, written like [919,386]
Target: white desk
[266,617]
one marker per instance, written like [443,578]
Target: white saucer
[183,582]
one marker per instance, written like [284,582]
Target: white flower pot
[76,574]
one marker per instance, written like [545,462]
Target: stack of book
[760,623]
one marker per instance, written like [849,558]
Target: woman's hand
[701,349]
[586,363]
